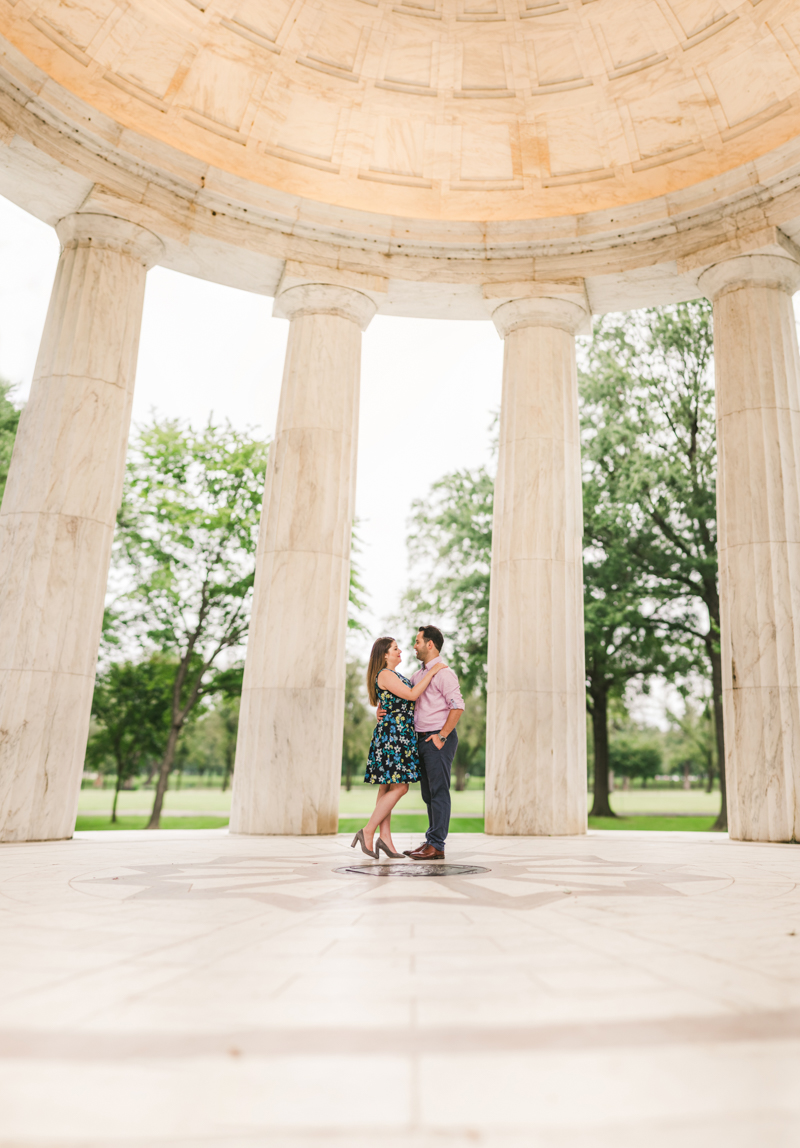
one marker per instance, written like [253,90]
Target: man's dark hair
[431,634]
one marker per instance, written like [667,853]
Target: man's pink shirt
[441,696]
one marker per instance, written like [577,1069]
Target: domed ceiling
[435,109]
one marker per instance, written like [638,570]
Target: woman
[393,761]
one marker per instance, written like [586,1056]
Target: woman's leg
[388,797]
[368,833]
[385,829]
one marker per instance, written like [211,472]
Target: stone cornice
[219,228]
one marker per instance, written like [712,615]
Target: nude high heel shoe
[380,845]
[359,837]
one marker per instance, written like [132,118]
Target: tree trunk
[715,659]
[116,795]
[163,777]
[348,775]
[600,805]
[687,784]
[226,777]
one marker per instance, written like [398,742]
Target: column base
[763,763]
[537,772]
[42,755]
[289,763]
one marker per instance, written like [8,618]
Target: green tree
[622,643]
[636,755]
[470,758]
[228,712]
[358,722]
[357,595]
[184,559]
[691,743]
[450,547]
[9,421]
[131,705]
[626,635]
[648,398]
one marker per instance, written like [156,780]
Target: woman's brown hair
[377,662]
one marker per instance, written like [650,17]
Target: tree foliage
[9,421]
[357,594]
[131,706]
[691,744]
[636,756]
[470,758]
[358,723]
[184,559]
[450,544]
[649,440]
[624,636]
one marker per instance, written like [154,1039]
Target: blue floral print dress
[393,752]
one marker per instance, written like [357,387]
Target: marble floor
[196,990]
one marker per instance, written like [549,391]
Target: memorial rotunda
[525,162]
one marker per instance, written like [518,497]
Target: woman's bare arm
[388,680]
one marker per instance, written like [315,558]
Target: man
[436,716]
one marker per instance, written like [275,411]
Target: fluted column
[57,520]
[289,752]
[536,719]
[758,507]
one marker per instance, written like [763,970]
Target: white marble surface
[57,520]
[619,990]
[758,499]
[535,738]
[288,759]
[428,146]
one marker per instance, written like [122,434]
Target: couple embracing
[414,740]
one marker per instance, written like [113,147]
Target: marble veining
[758,505]
[535,737]
[57,520]
[288,760]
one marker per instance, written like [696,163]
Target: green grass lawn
[209,809]
[663,824]
[412,824]
[86,823]
[407,823]
[630,802]
[136,800]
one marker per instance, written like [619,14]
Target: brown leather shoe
[416,849]
[427,853]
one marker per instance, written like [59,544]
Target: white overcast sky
[428,387]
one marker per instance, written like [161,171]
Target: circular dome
[459,125]
[457,109]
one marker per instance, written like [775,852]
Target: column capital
[780,272]
[94,229]
[564,305]
[314,289]
[325,299]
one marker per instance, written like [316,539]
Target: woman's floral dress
[393,751]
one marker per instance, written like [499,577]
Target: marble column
[289,753]
[536,719]
[758,507]
[57,520]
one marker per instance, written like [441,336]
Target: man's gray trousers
[434,773]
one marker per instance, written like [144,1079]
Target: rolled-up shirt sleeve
[451,691]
